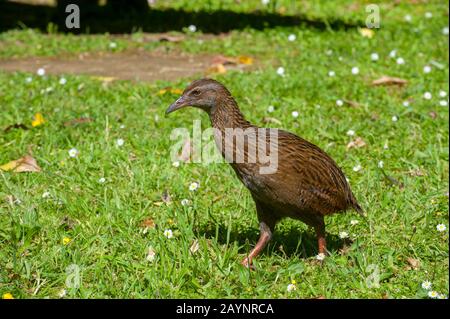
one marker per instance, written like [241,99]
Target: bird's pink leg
[264,238]
[320,233]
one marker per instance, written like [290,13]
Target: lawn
[95,225]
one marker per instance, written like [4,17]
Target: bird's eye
[196,92]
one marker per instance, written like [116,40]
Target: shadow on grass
[129,16]
[289,241]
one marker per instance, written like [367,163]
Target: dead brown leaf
[271,120]
[416,172]
[23,164]
[148,223]
[216,68]
[357,143]
[80,120]
[185,155]
[387,80]
[15,126]
[194,247]
[166,198]
[433,115]
[352,103]
[414,263]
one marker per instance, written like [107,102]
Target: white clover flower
[291,287]
[374,56]
[168,233]
[445,31]
[355,70]
[151,254]
[46,195]
[280,71]
[120,142]
[433,294]
[386,146]
[41,72]
[405,103]
[428,15]
[295,114]
[265,2]
[62,293]
[185,202]
[400,61]
[122,126]
[357,168]
[102,180]
[380,164]
[329,52]
[443,103]
[394,118]
[393,53]
[62,81]
[112,45]
[29,79]
[192,28]
[343,235]
[350,132]
[292,37]
[353,222]
[193,186]
[339,102]
[270,109]
[408,18]
[176,164]
[426,285]
[442,93]
[331,73]
[427,96]
[427,69]
[441,227]
[320,256]
[73,152]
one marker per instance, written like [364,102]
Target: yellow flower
[245,60]
[66,240]
[293,282]
[367,33]
[7,295]
[37,120]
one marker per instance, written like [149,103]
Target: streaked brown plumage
[308,185]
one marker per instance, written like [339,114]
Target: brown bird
[306,183]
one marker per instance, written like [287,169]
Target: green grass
[107,242]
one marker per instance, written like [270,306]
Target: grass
[103,221]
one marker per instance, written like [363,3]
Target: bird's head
[203,93]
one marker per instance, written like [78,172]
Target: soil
[134,65]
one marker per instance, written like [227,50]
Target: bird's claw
[247,263]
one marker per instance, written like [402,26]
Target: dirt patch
[136,65]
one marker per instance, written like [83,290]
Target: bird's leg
[264,237]
[320,233]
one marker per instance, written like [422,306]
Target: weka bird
[307,184]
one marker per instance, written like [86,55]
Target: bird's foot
[247,263]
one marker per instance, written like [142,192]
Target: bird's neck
[226,114]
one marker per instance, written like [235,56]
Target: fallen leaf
[352,103]
[80,120]
[185,155]
[38,119]
[416,172]
[159,204]
[13,126]
[387,80]
[271,120]
[148,223]
[414,263]
[23,164]
[245,60]
[217,68]
[357,143]
[67,223]
[194,247]
[367,33]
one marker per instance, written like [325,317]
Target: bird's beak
[178,104]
